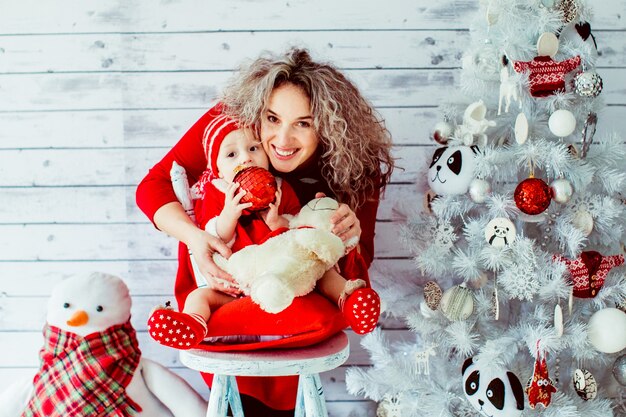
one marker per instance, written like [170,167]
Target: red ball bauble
[260,186]
[532,196]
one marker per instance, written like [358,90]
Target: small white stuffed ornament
[472,131]
[91,314]
[494,392]
[452,169]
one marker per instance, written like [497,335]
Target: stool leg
[218,398]
[313,392]
[299,411]
[234,399]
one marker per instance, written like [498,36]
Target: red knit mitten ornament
[260,186]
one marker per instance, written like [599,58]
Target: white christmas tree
[520,251]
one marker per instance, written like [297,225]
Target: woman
[321,135]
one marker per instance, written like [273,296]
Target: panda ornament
[493,392]
[452,169]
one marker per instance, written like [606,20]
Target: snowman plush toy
[91,364]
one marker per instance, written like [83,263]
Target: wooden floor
[93,92]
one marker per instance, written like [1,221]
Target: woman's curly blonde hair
[356,146]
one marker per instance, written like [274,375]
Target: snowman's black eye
[66,305]
[99,308]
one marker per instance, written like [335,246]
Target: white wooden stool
[306,361]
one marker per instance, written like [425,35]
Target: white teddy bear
[91,363]
[288,265]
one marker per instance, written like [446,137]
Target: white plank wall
[93,92]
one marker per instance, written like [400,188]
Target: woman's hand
[203,246]
[345,224]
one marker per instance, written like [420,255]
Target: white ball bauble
[607,330]
[562,123]
[561,190]
[479,190]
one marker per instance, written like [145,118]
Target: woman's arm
[156,198]
[173,220]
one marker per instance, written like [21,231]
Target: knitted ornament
[260,186]
[532,196]
[589,271]
[540,387]
[546,75]
[214,135]
[457,303]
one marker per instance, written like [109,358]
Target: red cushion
[308,320]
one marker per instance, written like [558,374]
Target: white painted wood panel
[132,128]
[224,51]
[80,16]
[93,92]
[114,91]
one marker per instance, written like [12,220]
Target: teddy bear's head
[316,213]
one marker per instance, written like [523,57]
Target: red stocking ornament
[589,271]
[540,387]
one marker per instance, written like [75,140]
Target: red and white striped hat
[215,132]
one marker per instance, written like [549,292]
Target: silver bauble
[479,190]
[561,190]
[619,369]
[588,84]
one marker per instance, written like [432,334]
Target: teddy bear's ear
[316,213]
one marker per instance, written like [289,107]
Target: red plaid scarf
[85,376]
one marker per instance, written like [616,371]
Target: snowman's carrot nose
[79,318]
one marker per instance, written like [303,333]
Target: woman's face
[287,130]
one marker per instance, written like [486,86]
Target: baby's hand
[232,199]
[271,216]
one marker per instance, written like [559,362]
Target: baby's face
[240,148]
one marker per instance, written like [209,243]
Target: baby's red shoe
[176,330]
[361,309]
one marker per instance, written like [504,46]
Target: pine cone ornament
[260,186]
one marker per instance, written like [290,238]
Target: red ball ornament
[260,186]
[532,196]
